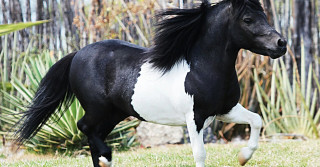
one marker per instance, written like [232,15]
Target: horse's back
[109,48]
[104,73]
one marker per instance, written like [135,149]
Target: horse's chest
[214,93]
[162,98]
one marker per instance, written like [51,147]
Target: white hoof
[245,155]
[103,162]
[199,164]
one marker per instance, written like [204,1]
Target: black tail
[54,92]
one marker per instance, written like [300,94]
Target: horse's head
[250,29]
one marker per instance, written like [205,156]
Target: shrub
[290,105]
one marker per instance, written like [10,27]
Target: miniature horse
[186,78]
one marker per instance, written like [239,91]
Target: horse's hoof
[242,159]
[103,162]
[244,155]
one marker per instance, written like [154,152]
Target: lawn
[292,153]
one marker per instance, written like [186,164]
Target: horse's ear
[205,2]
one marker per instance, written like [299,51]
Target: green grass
[292,153]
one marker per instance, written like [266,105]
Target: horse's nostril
[282,42]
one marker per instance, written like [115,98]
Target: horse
[187,77]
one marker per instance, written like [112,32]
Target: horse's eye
[248,20]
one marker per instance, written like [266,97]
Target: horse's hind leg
[96,126]
[240,115]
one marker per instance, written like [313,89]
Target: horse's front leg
[240,115]
[196,138]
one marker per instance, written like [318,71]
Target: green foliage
[60,132]
[290,105]
[8,28]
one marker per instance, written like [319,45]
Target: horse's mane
[176,35]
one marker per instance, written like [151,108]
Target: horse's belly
[162,98]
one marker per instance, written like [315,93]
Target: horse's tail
[54,92]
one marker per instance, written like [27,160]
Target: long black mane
[175,36]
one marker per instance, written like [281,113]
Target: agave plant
[60,132]
[290,106]
[8,28]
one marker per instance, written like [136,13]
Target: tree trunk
[16,8]
[5,18]
[53,25]
[317,40]
[17,18]
[83,13]
[47,25]
[303,31]
[28,11]
[66,13]
[69,15]
[4,12]
[28,19]
[12,12]
[60,23]
[39,27]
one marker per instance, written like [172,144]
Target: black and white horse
[186,78]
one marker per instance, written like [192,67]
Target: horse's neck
[214,59]
[214,75]
[214,49]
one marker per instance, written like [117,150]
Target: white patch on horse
[196,138]
[103,162]
[161,98]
